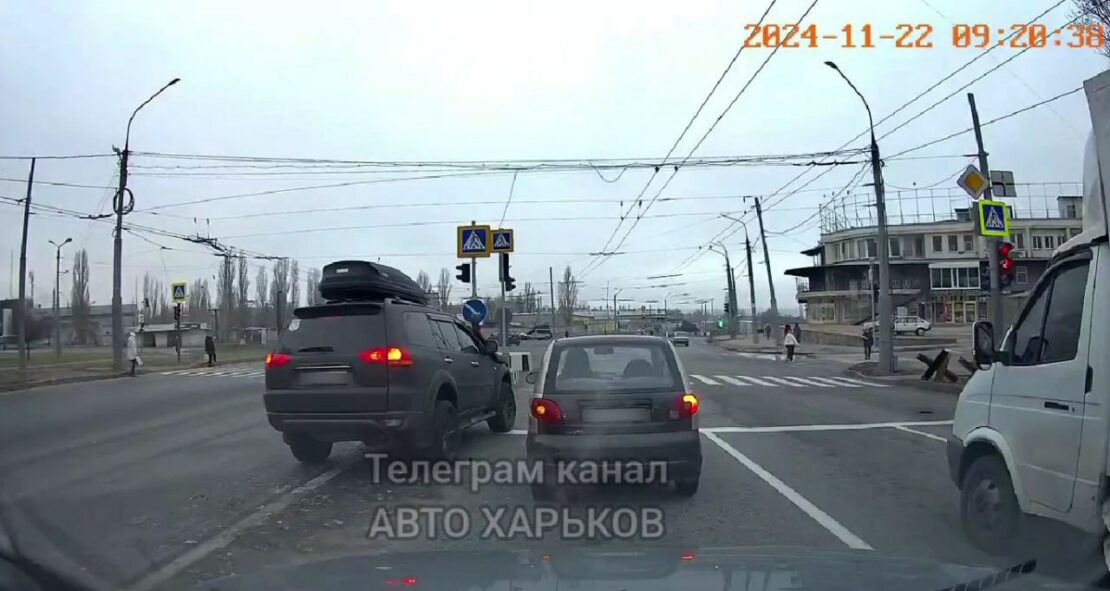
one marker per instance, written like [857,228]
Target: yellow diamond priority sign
[973,181]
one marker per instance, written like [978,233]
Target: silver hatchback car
[619,399]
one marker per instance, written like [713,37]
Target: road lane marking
[733,381]
[858,382]
[806,381]
[782,381]
[840,427]
[831,382]
[760,382]
[824,519]
[705,380]
[225,537]
[921,433]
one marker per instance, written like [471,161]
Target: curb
[15,387]
[942,387]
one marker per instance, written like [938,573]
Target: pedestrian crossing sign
[474,241]
[503,240]
[178,292]
[994,218]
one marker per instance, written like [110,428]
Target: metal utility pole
[277,309]
[504,266]
[58,295]
[731,285]
[770,279]
[751,273]
[21,321]
[215,321]
[551,280]
[886,304]
[992,243]
[121,208]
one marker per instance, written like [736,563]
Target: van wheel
[988,508]
[447,437]
[502,422]
[308,450]
[919,332]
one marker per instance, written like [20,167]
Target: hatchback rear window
[612,368]
[340,330]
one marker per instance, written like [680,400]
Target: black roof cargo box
[363,280]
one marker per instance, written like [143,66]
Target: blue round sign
[474,311]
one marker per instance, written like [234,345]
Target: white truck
[1030,434]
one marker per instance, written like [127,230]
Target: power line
[686,129]
[512,186]
[57,157]
[58,184]
[709,131]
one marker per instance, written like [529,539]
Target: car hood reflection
[611,568]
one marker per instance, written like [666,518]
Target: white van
[1030,432]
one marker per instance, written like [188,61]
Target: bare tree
[242,300]
[279,286]
[199,300]
[261,287]
[294,284]
[529,299]
[424,282]
[443,289]
[79,299]
[153,298]
[568,296]
[1092,12]
[312,279]
[225,293]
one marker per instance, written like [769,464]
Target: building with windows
[938,261]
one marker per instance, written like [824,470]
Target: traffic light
[177,312]
[720,323]
[510,283]
[726,308]
[1006,264]
[464,272]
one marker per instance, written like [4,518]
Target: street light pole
[751,274]
[886,305]
[122,208]
[58,295]
[731,285]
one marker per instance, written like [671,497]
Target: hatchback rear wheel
[308,450]
[687,486]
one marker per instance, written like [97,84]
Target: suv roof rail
[383,300]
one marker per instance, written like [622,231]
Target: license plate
[324,378]
[616,415]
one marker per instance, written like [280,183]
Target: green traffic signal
[720,324]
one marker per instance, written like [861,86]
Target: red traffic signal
[1004,249]
[1006,265]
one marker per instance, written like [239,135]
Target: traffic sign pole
[992,242]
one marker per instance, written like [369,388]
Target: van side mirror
[531,376]
[983,350]
[491,347]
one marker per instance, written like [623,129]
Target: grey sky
[473,81]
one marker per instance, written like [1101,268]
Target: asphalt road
[169,480]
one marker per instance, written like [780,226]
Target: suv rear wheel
[502,422]
[308,450]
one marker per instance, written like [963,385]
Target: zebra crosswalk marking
[782,381]
[733,381]
[858,382]
[705,380]
[760,382]
[806,381]
[832,382]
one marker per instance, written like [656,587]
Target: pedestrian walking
[566,333]
[868,342]
[210,349]
[791,343]
[132,353]
[797,332]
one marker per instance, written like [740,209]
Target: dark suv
[398,376]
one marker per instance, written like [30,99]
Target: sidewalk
[94,367]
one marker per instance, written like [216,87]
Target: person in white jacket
[132,352]
[791,342]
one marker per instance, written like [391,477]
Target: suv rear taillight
[546,411]
[391,356]
[686,405]
[277,359]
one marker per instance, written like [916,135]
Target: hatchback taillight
[686,405]
[391,356]
[546,411]
[277,359]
